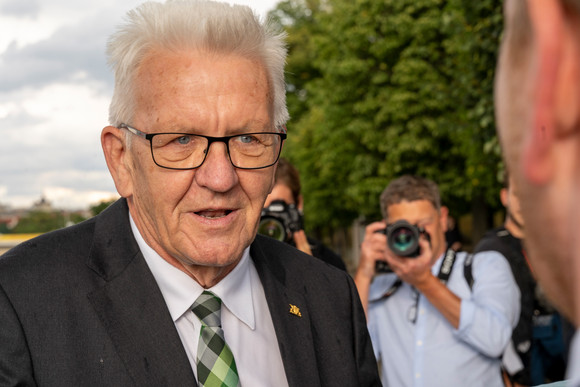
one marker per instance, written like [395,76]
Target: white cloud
[20,8]
[67,198]
[72,189]
[49,132]
[55,89]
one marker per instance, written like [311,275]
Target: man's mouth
[214,214]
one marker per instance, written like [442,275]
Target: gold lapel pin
[295,310]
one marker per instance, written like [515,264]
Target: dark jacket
[80,307]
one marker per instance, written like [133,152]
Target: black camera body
[280,220]
[402,240]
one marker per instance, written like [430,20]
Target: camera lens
[403,239]
[272,228]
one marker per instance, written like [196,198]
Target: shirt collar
[180,290]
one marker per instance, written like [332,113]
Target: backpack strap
[468,270]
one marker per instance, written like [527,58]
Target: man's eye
[183,140]
[247,139]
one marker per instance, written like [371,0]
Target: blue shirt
[430,352]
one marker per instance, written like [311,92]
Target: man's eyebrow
[250,127]
[259,125]
[426,219]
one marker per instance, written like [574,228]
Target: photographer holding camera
[436,317]
[282,217]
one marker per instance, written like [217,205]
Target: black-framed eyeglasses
[188,151]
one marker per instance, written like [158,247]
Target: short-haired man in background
[429,324]
[170,286]
[537,104]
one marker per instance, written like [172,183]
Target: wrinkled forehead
[192,84]
[171,68]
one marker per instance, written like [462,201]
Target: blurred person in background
[430,323]
[453,235]
[287,189]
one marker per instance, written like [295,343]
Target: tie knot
[208,308]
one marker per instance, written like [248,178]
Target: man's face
[280,192]
[510,200]
[423,214]
[206,216]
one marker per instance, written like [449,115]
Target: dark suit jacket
[80,307]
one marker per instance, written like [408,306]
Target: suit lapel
[289,311]
[131,306]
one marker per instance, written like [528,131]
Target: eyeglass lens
[185,151]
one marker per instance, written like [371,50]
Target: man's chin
[213,255]
[207,272]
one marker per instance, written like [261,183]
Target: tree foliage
[96,209]
[378,89]
[40,222]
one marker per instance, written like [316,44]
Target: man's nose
[217,172]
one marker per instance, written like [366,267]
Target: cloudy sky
[55,88]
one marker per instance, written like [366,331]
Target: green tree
[75,218]
[475,48]
[100,207]
[380,89]
[40,222]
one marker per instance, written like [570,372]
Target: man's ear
[503,196]
[556,96]
[116,155]
[443,214]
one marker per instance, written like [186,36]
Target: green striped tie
[216,366]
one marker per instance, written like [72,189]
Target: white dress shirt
[246,320]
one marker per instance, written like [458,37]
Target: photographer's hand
[417,272]
[301,242]
[373,248]
[414,271]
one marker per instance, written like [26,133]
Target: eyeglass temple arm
[136,132]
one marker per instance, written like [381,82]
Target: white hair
[197,25]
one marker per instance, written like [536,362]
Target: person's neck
[438,254]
